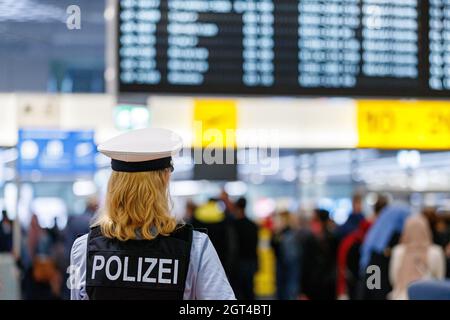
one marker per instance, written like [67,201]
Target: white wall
[288,122]
[8,122]
[66,111]
[294,123]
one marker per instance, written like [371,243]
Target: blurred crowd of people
[43,256]
[234,236]
[371,256]
[315,259]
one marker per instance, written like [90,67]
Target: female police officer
[135,249]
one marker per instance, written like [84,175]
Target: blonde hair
[137,202]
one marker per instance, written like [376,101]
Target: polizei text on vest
[145,269]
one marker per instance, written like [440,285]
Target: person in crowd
[6,233]
[79,224]
[447,257]
[9,280]
[348,284]
[443,229]
[430,214]
[136,238]
[229,205]
[285,243]
[377,246]
[319,259]
[415,258]
[42,279]
[304,234]
[189,211]
[59,256]
[247,258]
[354,219]
[211,216]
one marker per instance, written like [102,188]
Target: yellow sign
[264,281]
[215,123]
[391,124]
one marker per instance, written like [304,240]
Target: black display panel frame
[422,90]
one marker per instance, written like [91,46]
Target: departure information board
[285,47]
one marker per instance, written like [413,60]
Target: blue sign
[56,152]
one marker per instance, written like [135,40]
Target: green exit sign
[129,117]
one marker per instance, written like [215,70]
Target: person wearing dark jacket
[6,235]
[246,257]
[354,219]
[319,259]
[285,243]
[212,217]
[348,283]
[377,246]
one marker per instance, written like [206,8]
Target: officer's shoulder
[81,239]
[189,227]
[201,231]
[197,234]
[79,245]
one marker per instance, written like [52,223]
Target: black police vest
[138,269]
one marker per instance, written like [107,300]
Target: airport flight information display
[285,47]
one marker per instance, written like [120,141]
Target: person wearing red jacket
[348,256]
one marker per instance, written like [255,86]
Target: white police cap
[142,150]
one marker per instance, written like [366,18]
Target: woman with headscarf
[376,248]
[415,258]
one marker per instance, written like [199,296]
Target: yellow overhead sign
[396,124]
[215,123]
